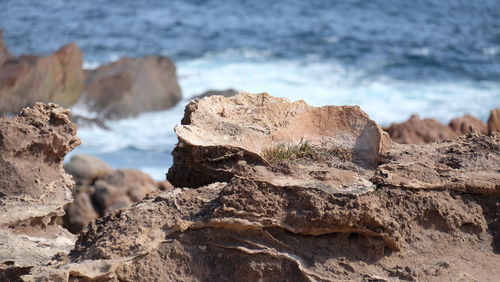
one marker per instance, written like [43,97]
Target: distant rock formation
[28,79]
[286,191]
[33,187]
[100,190]
[129,87]
[423,131]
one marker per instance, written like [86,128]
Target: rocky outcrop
[466,124]
[494,121]
[132,86]
[33,187]
[225,93]
[221,137]
[424,131]
[308,194]
[56,78]
[100,190]
[4,52]
[419,131]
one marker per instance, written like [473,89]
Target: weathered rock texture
[465,125]
[33,187]
[131,86]
[220,137]
[56,78]
[306,214]
[100,190]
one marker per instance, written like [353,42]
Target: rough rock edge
[36,189]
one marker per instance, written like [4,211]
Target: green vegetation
[289,152]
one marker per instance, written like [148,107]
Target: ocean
[393,58]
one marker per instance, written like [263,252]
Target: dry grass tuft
[290,152]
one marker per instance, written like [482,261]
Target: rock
[248,230]
[494,121]
[465,124]
[129,87]
[4,52]
[87,169]
[56,78]
[33,187]
[221,137]
[303,211]
[100,190]
[466,164]
[225,93]
[420,131]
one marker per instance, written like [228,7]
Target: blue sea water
[393,58]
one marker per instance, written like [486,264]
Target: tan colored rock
[87,169]
[101,190]
[129,87]
[4,52]
[301,213]
[248,230]
[465,125]
[420,131]
[56,78]
[222,137]
[33,187]
[467,164]
[494,121]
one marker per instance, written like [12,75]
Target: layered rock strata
[33,187]
[285,191]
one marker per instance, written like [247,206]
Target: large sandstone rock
[100,190]
[132,86]
[419,131]
[301,213]
[33,187]
[221,137]
[4,52]
[494,121]
[56,78]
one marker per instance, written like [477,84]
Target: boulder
[332,147]
[56,78]
[494,121]
[33,187]
[225,93]
[129,87]
[420,131]
[87,169]
[4,52]
[100,190]
[465,125]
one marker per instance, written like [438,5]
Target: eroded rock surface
[130,86]
[57,78]
[243,135]
[33,187]
[420,131]
[263,210]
